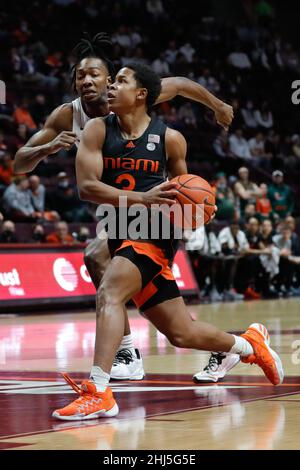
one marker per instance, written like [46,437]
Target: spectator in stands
[3,145]
[39,109]
[290,58]
[8,232]
[239,59]
[38,194]
[204,249]
[269,261]
[21,137]
[161,66]
[1,217]
[61,234]
[224,198]
[6,171]
[38,234]
[296,145]
[257,148]
[187,116]
[233,243]
[239,146]
[285,243]
[294,158]
[17,202]
[122,37]
[246,191]
[188,51]
[249,212]
[248,114]
[155,8]
[52,68]
[294,257]
[267,233]
[171,118]
[281,196]
[238,121]
[181,66]
[263,203]
[264,117]
[29,74]
[22,115]
[139,56]
[274,144]
[64,199]
[208,81]
[253,232]
[171,52]
[290,222]
[221,145]
[263,9]
[83,235]
[249,265]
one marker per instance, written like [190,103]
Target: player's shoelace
[85,400]
[72,384]
[124,356]
[214,361]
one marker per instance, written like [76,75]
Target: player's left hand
[224,115]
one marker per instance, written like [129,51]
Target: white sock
[127,343]
[100,378]
[241,347]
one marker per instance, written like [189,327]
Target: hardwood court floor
[164,411]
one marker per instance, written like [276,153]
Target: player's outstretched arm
[55,135]
[174,86]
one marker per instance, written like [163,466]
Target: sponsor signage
[42,275]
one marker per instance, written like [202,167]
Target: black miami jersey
[137,165]
[134,165]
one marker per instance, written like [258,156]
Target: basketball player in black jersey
[93,71]
[103,166]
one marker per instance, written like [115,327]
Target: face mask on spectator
[82,238]
[38,236]
[222,186]
[63,184]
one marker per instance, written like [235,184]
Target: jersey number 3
[127,180]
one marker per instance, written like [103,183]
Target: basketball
[197,200]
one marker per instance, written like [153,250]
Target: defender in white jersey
[92,74]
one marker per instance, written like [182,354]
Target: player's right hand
[164,193]
[64,140]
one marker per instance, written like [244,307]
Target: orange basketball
[197,200]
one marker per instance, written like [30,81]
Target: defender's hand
[64,140]
[224,115]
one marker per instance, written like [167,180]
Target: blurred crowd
[254,168]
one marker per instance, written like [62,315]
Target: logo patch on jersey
[130,145]
[151,146]
[154,138]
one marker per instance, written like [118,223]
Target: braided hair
[100,46]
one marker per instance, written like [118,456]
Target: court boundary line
[16,436]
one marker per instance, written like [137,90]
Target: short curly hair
[148,79]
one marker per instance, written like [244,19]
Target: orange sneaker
[90,405]
[250,294]
[263,356]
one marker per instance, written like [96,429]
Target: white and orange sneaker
[263,356]
[90,404]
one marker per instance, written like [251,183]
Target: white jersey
[79,119]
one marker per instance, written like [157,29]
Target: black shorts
[158,282]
